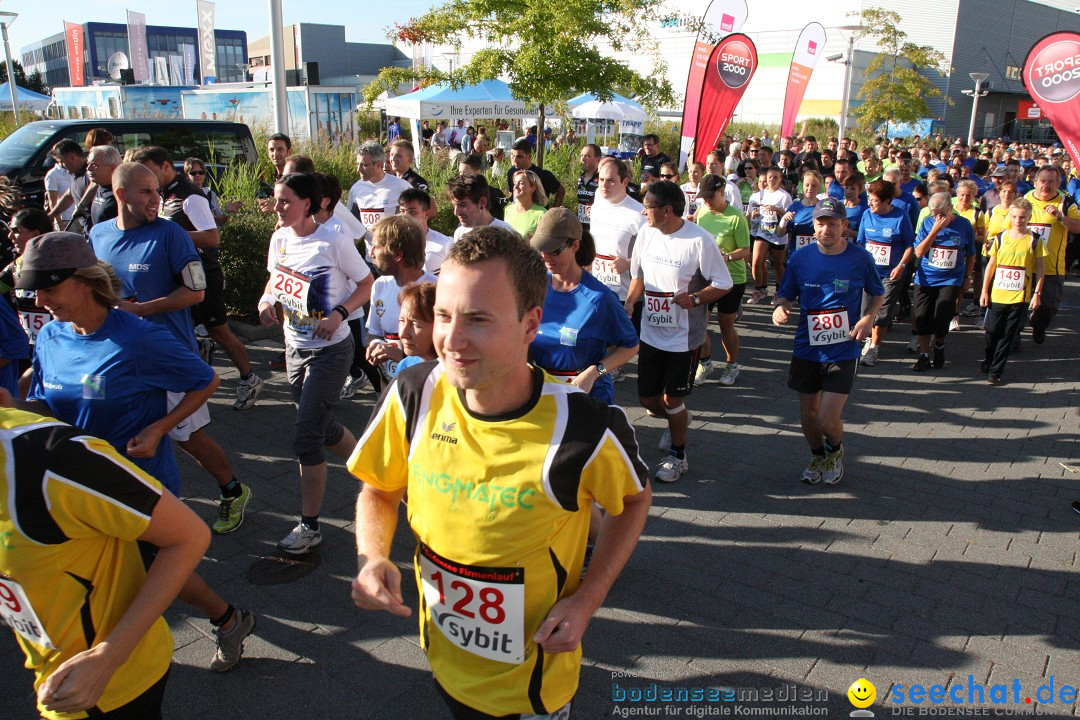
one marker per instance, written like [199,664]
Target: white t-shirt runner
[371,202]
[310,276]
[337,225]
[688,260]
[436,248]
[615,227]
[58,180]
[767,224]
[385,309]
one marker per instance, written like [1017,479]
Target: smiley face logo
[862,693]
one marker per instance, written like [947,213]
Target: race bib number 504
[661,310]
[479,609]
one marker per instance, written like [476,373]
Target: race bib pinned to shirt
[661,309]
[943,258]
[604,270]
[881,252]
[1009,278]
[828,327]
[17,612]
[32,322]
[584,213]
[371,216]
[479,609]
[1041,231]
[290,288]
[802,241]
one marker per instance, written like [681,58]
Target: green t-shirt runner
[732,232]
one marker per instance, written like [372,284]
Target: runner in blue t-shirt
[798,221]
[828,278]
[945,248]
[14,347]
[885,232]
[585,332]
[855,203]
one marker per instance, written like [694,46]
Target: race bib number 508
[479,609]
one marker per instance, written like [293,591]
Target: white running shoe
[870,357]
[617,375]
[300,540]
[247,391]
[955,324]
[704,368]
[354,385]
[671,469]
[913,346]
[731,371]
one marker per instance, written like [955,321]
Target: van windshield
[18,147]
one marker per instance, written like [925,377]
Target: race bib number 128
[479,609]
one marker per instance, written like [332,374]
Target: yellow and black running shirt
[71,509]
[500,506]
[1052,232]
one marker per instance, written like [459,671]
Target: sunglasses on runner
[559,250]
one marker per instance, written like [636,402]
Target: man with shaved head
[161,277]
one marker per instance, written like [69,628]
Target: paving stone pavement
[948,551]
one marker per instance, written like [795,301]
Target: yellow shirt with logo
[1016,255]
[997,223]
[500,506]
[71,509]
[1053,234]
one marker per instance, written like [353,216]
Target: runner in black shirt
[521,153]
[587,182]
[652,158]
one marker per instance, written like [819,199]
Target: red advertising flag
[1052,77]
[730,68]
[807,52]
[1028,110]
[73,34]
[721,18]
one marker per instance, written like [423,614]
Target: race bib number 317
[479,609]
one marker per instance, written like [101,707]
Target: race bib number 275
[479,609]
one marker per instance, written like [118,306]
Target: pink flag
[807,51]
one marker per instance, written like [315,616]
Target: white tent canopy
[27,99]
[489,99]
[589,107]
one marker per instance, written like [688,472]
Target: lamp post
[6,19]
[979,78]
[853,33]
[277,63]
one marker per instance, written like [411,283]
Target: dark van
[24,154]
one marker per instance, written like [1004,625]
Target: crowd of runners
[490,354]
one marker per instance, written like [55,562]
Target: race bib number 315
[479,609]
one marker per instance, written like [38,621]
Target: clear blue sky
[39,19]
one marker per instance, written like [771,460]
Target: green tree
[36,82]
[896,88]
[20,74]
[549,49]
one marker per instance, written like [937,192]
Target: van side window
[126,140]
[220,147]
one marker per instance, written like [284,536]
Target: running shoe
[731,371]
[300,540]
[980,323]
[922,364]
[738,314]
[812,474]
[834,467]
[231,511]
[913,346]
[201,331]
[994,380]
[758,296]
[617,375]
[870,357]
[247,390]
[353,385]
[954,324]
[939,356]
[971,310]
[230,643]
[704,368]
[671,469]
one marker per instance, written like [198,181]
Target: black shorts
[666,373]
[729,304]
[211,311]
[461,711]
[811,377]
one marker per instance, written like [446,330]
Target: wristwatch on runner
[601,369]
[697,300]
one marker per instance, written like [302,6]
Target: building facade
[103,40]
[339,62]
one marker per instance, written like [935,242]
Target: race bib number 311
[479,609]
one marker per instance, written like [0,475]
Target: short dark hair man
[521,153]
[651,157]
[484,395]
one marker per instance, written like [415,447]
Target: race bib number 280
[828,327]
[479,609]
